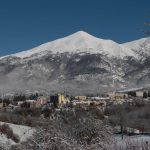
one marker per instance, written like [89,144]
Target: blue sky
[28,23]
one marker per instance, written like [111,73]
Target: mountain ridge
[79,41]
[78,64]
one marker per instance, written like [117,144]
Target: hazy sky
[27,23]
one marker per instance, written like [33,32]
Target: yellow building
[59,100]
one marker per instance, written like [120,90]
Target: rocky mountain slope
[77,64]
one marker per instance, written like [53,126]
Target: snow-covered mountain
[140,47]
[78,64]
[79,42]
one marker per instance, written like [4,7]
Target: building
[59,100]
[82,98]
[139,92]
[19,103]
[41,100]
[1,105]
[78,103]
[89,103]
[142,93]
[99,98]
[136,92]
[118,96]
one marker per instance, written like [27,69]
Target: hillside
[78,64]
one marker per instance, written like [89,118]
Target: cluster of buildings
[84,101]
[60,100]
[125,94]
[57,100]
[119,97]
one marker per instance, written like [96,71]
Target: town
[58,101]
[121,110]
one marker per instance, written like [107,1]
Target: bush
[5,129]
[35,112]
[15,138]
[47,112]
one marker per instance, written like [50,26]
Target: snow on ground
[136,139]
[22,131]
[5,140]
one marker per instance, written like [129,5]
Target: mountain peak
[78,42]
[82,34]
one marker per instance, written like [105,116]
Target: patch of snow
[22,131]
[77,60]
[137,139]
[4,140]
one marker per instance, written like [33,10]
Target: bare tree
[69,132]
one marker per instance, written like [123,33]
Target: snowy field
[22,131]
[25,132]
[134,140]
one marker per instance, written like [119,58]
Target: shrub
[7,130]
[15,138]
[47,112]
